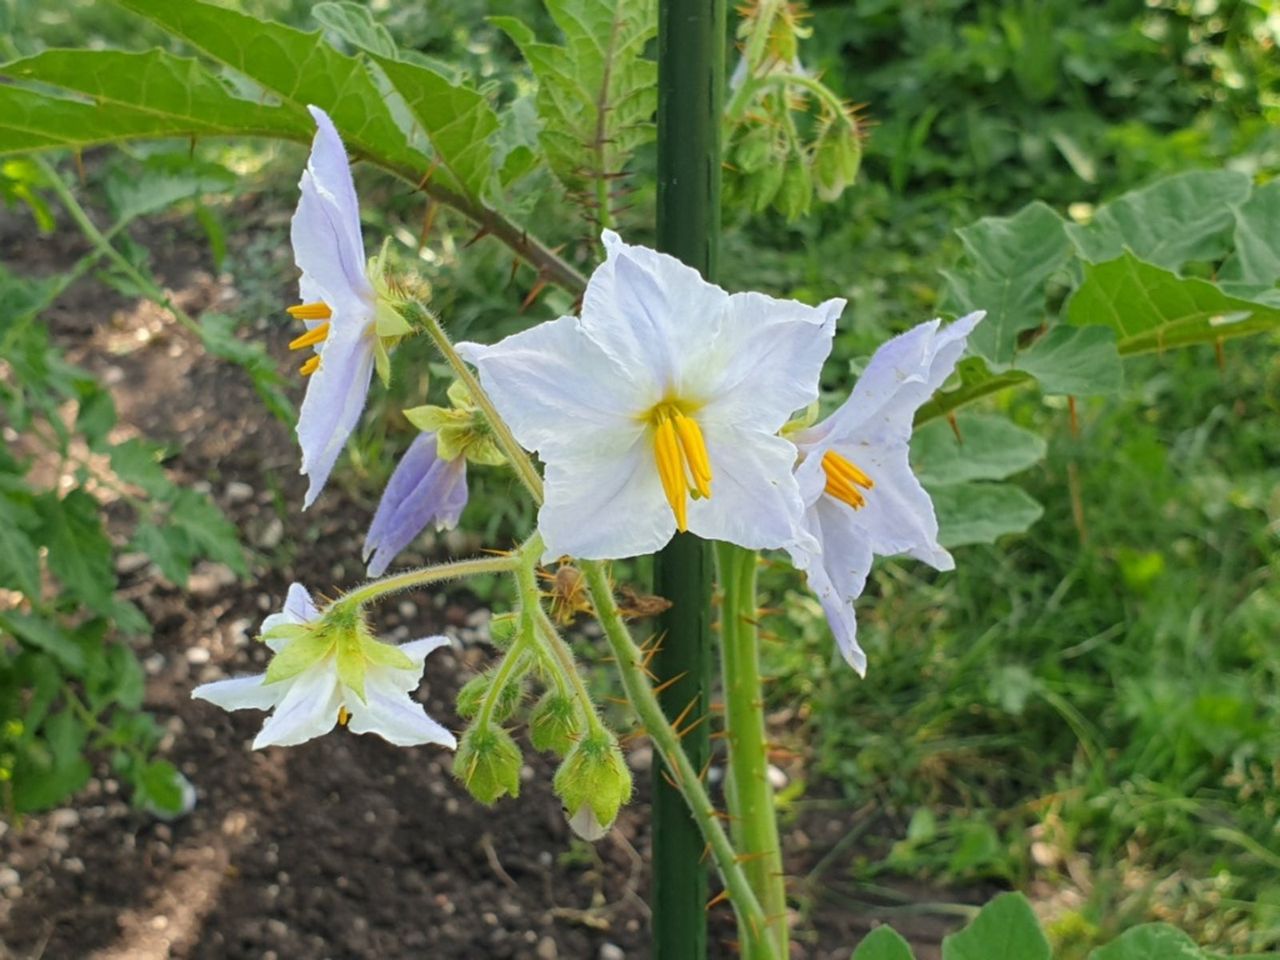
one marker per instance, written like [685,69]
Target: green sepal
[352,665]
[286,631]
[389,321]
[594,773]
[301,653]
[488,763]
[382,361]
[385,654]
[795,195]
[433,419]
[554,724]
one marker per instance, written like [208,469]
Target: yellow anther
[310,311]
[343,716]
[311,366]
[681,453]
[309,339]
[844,480]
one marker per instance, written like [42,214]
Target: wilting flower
[424,489]
[348,311]
[659,408]
[861,498]
[324,674]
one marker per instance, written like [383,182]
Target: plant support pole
[691,41]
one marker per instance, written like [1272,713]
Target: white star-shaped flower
[861,498]
[659,408]
[317,697]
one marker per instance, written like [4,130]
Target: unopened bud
[474,691]
[503,629]
[593,776]
[554,724]
[488,763]
[796,193]
[765,184]
[754,150]
[836,160]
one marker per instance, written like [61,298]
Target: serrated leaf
[169,549]
[457,120]
[356,25]
[159,787]
[989,448]
[982,512]
[45,635]
[51,768]
[1083,361]
[211,533]
[299,67]
[1152,309]
[596,94]
[218,334]
[1151,941]
[1253,269]
[96,414]
[1179,219]
[883,943]
[163,180]
[79,551]
[151,94]
[19,558]
[1005,929]
[1010,262]
[137,463]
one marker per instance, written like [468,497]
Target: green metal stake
[691,42]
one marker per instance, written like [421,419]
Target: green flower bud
[796,193]
[593,783]
[764,185]
[754,150]
[836,160]
[474,691]
[503,629]
[488,763]
[554,724]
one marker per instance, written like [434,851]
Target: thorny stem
[750,796]
[437,573]
[753,53]
[630,662]
[424,319]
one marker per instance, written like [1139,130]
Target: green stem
[750,796]
[424,319]
[376,589]
[687,777]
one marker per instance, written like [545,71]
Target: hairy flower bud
[503,629]
[474,691]
[554,724]
[796,193]
[593,783]
[836,160]
[488,763]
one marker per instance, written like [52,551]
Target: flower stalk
[747,788]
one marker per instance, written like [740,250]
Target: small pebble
[9,878]
[547,949]
[197,655]
[611,951]
[66,819]
[777,779]
[238,492]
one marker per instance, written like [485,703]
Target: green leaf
[45,635]
[1152,309]
[1077,360]
[79,551]
[52,768]
[209,530]
[982,512]
[1151,941]
[163,180]
[356,25]
[1181,218]
[169,549]
[301,68]
[19,558]
[1005,929]
[1010,262]
[596,93]
[137,462]
[989,448]
[218,334]
[158,787]
[1254,268]
[152,94]
[883,943]
[96,414]
[457,120]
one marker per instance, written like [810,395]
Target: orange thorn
[533,294]
[720,897]
[955,426]
[667,683]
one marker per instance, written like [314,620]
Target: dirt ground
[345,847]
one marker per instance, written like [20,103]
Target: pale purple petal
[308,709]
[335,397]
[422,490]
[392,714]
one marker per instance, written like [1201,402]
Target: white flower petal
[335,397]
[419,650]
[392,714]
[308,709]
[754,500]
[241,693]
[327,243]
[740,387]
[902,375]
[605,504]
[898,516]
[556,388]
[298,608]
[652,312]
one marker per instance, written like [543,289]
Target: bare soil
[345,847]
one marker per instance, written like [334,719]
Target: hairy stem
[376,589]
[751,806]
[666,740]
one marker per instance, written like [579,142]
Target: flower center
[844,480]
[310,311]
[681,454]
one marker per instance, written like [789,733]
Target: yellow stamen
[343,716]
[844,479]
[681,453]
[310,367]
[309,339]
[310,311]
